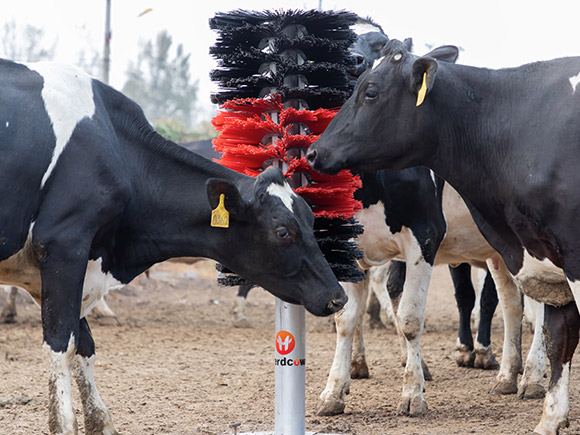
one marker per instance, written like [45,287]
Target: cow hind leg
[531,385]
[484,357]
[395,284]
[410,316]
[465,298]
[96,416]
[511,302]
[8,314]
[562,325]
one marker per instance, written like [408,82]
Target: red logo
[284,342]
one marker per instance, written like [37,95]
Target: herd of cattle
[460,166]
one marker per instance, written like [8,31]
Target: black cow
[93,197]
[508,140]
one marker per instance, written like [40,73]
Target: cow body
[94,196]
[409,216]
[508,141]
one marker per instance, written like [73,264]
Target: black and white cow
[409,215]
[508,140]
[93,197]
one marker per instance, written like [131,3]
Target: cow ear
[233,200]
[422,77]
[445,53]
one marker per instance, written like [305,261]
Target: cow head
[378,126]
[271,242]
[367,47]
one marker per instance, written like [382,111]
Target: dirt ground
[175,365]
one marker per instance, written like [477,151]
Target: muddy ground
[175,365]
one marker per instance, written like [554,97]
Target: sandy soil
[175,365]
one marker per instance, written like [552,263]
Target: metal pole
[290,369]
[107,59]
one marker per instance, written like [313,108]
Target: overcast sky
[492,33]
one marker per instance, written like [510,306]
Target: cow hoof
[8,318]
[242,324]
[413,406]
[376,323]
[330,407]
[504,387]
[359,370]
[485,359]
[464,357]
[531,391]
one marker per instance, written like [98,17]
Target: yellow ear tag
[220,217]
[422,91]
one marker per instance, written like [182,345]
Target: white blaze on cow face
[68,98]
[284,192]
[377,62]
[574,82]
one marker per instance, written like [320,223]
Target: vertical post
[290,370]
[107,54]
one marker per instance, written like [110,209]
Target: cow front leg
[97,418]
[410,317]
[561,331]
[511,302]
[484,357]
[531,384]
[331,400]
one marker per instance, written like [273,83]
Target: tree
[161,82]
[25,44]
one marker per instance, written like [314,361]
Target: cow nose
[358,58]
[338,302]
[311,156]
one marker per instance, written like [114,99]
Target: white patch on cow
[59,382]
[556,405]
[97,284]
[68,98]
[7,124]
[284,192]
[377,62]
[574,82]
[362,28]
[433,178]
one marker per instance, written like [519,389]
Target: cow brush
[282,75]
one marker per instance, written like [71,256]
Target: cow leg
[465,298]
[62,271]
[331,400]
[97,418]
[358,366]
[410,316]
[377,278]
[484,357]
[9,312]
[562,325]
[395,284]
[511,302]
[239,310]
[531,384]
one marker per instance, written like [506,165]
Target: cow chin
[319,306]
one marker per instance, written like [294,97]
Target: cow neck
[169,213]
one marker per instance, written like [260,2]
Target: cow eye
[282,233]
[371,94]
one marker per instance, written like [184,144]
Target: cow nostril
[311,156]
[358,58]
[336,304]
